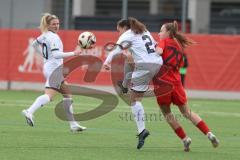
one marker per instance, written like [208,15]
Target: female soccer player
[171,46]
[147,63]
[52,50]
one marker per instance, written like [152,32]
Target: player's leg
[141,77]
[139,86]
[127,73]
[54,78]
[128,69]
[199,123]
[137,109]
[139,116]
[68,107]
[180,99]
[164,103]
[38,103]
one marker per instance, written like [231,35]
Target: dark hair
[174,33]
[133,24]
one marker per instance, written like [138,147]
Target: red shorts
[177,96]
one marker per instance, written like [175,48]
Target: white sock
[39,102]
[210,134]
[67,104]
[138,113]
[186,138]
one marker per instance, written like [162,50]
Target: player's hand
[106,66]
[159,50]
[92,46]
[77,52]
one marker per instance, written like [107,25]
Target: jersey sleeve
[36,45]
[39,40]
[124,37]
[111,54]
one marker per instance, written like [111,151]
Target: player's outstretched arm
[159,50]
[58,54]
[110,56]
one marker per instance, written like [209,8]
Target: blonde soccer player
[52,51]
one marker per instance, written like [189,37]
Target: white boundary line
[200,94]
[122,108]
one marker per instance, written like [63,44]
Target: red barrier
[214,63]
[214,60]
[4,54]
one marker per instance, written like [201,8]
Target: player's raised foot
[29,117]
[141,138]
[123,89]
[186,144]
[77,128]
[213,139]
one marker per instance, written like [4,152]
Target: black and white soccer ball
[86,40]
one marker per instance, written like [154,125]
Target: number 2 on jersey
[149,44]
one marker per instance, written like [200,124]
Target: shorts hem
[56,89]
[138,91]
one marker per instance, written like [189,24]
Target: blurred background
[200,16]
[213,64]
[212,81]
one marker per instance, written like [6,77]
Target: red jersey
[172,57]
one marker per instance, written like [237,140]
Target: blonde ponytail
[45,21]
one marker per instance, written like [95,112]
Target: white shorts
[54,78]
[142,75]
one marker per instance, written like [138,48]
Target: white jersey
[50,42]
[147,61]
[142,47]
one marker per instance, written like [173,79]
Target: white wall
[83,7]
[22,13]
[153,7]
[227,1]
[199,14]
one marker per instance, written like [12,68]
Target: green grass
[112,136]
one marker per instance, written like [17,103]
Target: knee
[169,117]
[67,96]
[49,96]
[187,114]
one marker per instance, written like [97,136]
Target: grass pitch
[112,136]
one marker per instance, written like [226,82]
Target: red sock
[180,133]
[203,127]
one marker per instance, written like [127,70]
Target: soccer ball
[86,40]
